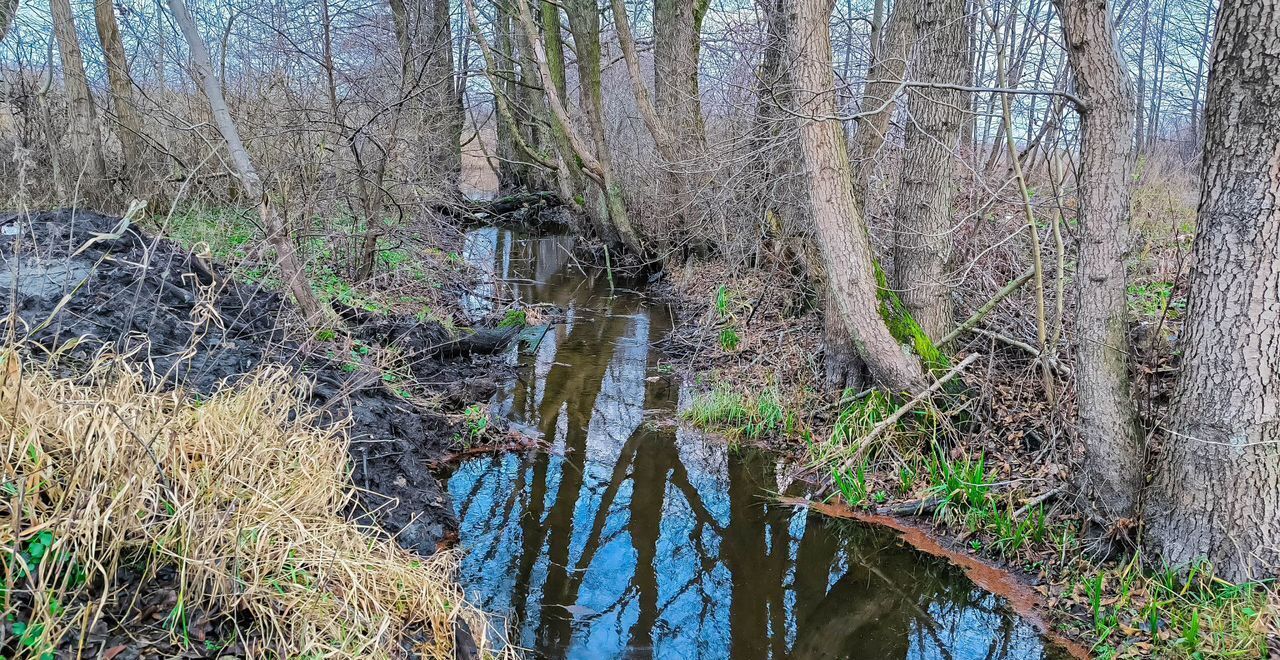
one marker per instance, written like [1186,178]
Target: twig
[889,421]
[986,307]
[1030,350]
[1038,500]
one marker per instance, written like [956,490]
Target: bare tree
[82,129]
[922,242]
[584,22]
[1111,474]
[841,232]
[1216,491]
[884,82]
[8,10]
[129,124]
[291,269]
[424,34]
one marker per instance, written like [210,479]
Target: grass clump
[742,415]
[1169,614]
[242,494]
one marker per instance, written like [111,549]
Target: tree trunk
[584,24]
[127,119]
[82,129]
[8,10]
[442,104]
[569,174]
[424,34]
[1111,475]
[677,41]
[1216,492]
[884,78]
[922,241]
[278,237]
[841,233]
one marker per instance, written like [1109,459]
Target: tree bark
[569,174]
[1111,474]
[82,128]
[278,237]
[128,121]
[677,42]
[922,242]
[884,78]
[841,233]
[1216,491]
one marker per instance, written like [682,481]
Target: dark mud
[81,285]
[78,285]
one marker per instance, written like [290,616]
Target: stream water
[637,537]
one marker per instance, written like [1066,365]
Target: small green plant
[729,339]
[515,318]
[852,483]
[724,301]
[477,421]
[1151,299]
[962,483]
[326,334]
[906,479]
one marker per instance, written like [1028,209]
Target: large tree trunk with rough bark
[922,242]
[677,42]
[1216,492]
[291,268]
[1111,474]
[82,122]
[841,233]
[128,121]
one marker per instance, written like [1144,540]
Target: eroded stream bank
[636,536]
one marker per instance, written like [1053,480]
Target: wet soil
[78,284]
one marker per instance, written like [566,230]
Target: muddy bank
[78,284]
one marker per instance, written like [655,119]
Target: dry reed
[242,493]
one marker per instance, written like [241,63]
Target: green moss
[905,329]
[515,318]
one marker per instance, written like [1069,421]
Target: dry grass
[242,494]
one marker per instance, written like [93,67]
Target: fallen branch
[920,508]
[1038,500]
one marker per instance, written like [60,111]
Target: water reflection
[635,538]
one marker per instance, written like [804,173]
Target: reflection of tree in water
[619,541]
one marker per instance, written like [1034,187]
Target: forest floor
[391,385]
[985,474]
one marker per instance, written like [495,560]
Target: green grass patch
[742,415]
[1169,614]
[515,318]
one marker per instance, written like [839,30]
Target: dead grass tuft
[242,494]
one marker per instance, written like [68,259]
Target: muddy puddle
[635,537]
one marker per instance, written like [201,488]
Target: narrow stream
[635,537]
